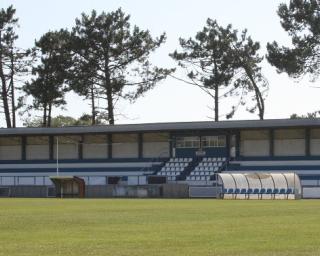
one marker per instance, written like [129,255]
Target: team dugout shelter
[191,153]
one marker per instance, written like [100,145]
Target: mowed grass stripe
[158,227]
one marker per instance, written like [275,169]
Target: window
[213,141]
[188,142]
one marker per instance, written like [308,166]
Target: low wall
[103,191]
[25,191]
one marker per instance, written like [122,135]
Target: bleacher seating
[174,167]
[206,168]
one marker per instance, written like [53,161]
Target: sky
[172,100]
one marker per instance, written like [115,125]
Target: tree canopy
[48,88]
[111,60]
[14,63]
[218,60]
[301,20]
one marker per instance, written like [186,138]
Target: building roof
[166,127]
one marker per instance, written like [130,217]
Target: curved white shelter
[260,185]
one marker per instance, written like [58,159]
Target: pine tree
[14,64]
[217,60]
[111,60]
[49,86]
[301,20]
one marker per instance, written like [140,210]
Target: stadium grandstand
[158,159]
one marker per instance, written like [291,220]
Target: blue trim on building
[276,158]
[235,167]
[114,160]
[88,170]
[209,152]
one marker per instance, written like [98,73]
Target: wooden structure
[69,186]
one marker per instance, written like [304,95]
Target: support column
[228,145]
[80,147]
[271,142]
[307,141]
[237,144]
[23,148]
[109,141]
[171,145]
[51,145]
[140,145]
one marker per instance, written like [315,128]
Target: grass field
[158,227]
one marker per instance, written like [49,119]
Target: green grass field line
[158,227]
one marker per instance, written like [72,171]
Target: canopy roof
[288,180]
[166,127]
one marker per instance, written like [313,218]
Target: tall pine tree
[301,20]
[223,65]
[14,64]
[111,60]
[48,87]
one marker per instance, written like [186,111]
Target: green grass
[158,227]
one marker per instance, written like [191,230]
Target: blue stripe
[115,160]
[36,170]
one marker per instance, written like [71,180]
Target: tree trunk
[4,91]
[108,88]
[258,95]
[110,105]
[216,103]
[49,115]
[93,107]
[13,107]
[44,118]
[4,96]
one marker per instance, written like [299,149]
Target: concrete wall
[175,190]
[95,147]
[68,147]
[28,191]
[37,148]
[254,143]
[289,142]
[124,145]
[10,148]
[108,191]
[156,145]
[315,142]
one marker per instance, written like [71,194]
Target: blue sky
[172,100]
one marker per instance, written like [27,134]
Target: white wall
[68,147]
[125,150]
[95,147]
[293,147]
[255,148]
[254,143]
[10,152]
[125,146]
[10,148]
[156,145]
[95,151]
[66,151]
[156,149]
[37,148]
[289,142]
[315,142]
[37,152]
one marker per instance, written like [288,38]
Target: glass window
[188,142]
[213,141]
